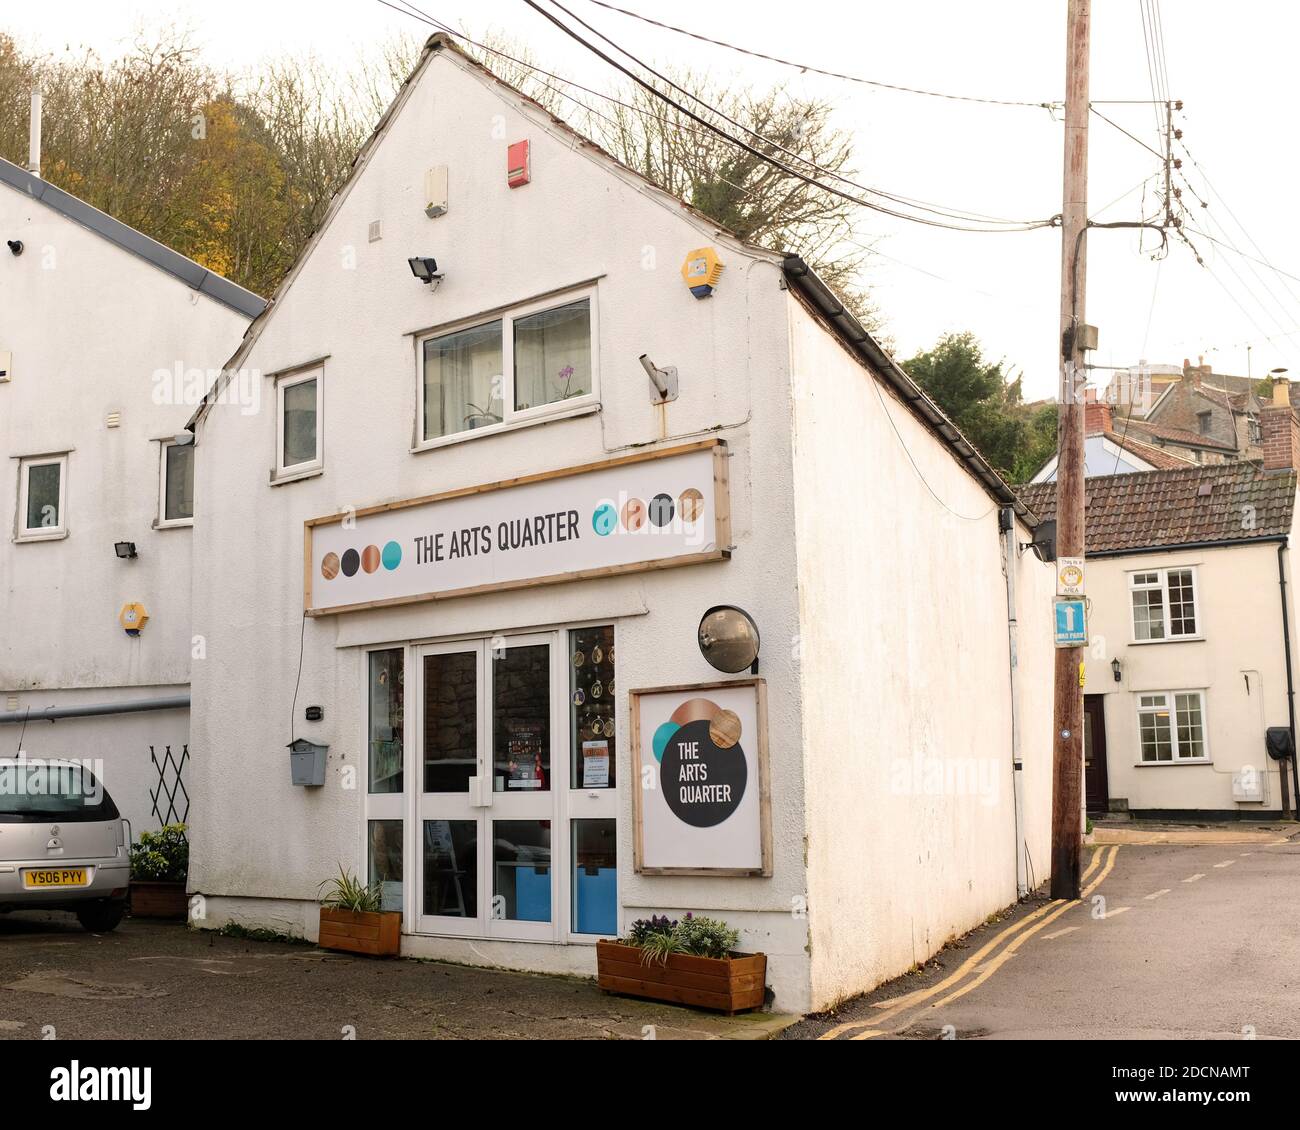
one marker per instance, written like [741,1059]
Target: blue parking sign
[1071,623]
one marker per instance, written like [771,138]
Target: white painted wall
[260,840]
[903,668]
[88,324]
[1240,664]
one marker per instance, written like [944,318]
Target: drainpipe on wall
[1007,525]
[1290,682]
[94,709]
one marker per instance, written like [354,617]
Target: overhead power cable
[809,68]
[781,166]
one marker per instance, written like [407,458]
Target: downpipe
[1007,526]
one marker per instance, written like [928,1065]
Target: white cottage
[106,341]
[525,420]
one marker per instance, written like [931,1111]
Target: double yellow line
[1041,917]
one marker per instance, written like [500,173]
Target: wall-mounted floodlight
[124,549]
[425,268]
[664,381]
[728,639]
[183,439]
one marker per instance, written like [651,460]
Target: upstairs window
[1203,423]
[1164,604]
[176,488]
[42,498]
[530,363]
[298,423]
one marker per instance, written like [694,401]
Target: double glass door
[514,766]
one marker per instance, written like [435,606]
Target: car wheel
[101,917]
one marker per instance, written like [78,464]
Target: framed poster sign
[701,804]
[646,510]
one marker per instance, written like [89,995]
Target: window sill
[56,535]
[174,524]
[586,409]
[1179,761]
[1169,639]
[279,480]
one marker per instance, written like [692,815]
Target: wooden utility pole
[1067,704]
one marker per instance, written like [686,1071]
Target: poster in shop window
[701,797]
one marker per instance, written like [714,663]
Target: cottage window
[531,362]
[1203,423]
[42,497]
[1164,604]
[298,423]
[1171,726]
[176,488]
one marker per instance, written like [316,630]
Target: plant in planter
[351,918]
[691,961]
[160,863]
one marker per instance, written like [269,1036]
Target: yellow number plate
[66,877]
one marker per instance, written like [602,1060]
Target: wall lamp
[1116,669]
[425,268]
[124,549]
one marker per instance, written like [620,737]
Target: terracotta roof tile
[1145,428]
[1158,457]
[1150,509]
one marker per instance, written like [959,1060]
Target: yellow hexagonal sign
[701,271]
[133,617]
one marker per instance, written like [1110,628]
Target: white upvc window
[1171,727]
[42,498]
[175,484]
[299,420]
[1165,605]
[533,362]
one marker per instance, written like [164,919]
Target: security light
[425,268]
[15,246]
[728,639]
[124,549]
[183,439]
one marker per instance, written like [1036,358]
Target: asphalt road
[1169,942]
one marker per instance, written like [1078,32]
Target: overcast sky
[1231,66]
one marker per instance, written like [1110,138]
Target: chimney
[1096,417]
[1282,391]
[1280,432]
[34,136]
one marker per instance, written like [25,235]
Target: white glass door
[451,723]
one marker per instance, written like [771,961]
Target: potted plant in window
[692,962]
[160,863]
[351,919]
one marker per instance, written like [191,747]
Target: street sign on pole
[1069,576]
[1071,623]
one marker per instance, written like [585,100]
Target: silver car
[63,843]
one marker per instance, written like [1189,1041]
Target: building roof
[1158,457]
[192,274]
[1166,509]
[1145,430]
[812,290]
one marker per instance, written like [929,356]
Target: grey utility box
[307,762]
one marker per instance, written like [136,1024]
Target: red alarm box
[518,170]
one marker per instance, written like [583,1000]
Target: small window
[42,498]
[1203,423]
[1171,726]
[532,362]
[298,423]
[1164,604]
[177,487]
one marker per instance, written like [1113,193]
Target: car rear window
[35,791]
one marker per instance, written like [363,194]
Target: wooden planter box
[378,933]
[727,984]
[159,900]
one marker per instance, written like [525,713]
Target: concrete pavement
[152,980]
[1171,941]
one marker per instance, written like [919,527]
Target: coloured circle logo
[367,560]
[702,766]
[656,513]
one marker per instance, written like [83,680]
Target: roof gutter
[1147,550]
[849,330]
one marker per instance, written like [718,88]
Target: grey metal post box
[307,762]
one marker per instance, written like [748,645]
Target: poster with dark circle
[702,782]
[351,562]
[662,508]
